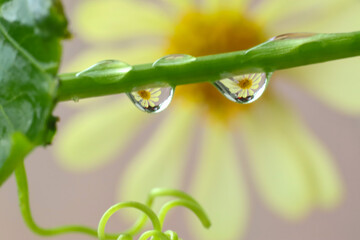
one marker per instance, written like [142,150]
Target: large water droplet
[107,71]
[293,36]
[174,59]
[244,88]
[152,100]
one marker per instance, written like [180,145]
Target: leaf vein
[21,50]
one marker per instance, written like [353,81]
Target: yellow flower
[246,85]
[147,97]
[292,171]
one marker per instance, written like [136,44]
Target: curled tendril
[157,221]
[161,192]
[171,235]
[154,234]
[24,203]
[194,207]
[146,210]
[124,236]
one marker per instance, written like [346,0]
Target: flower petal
[215,5]
[137,97]
[293,171]
[255,87]
[219,187]
[335,83]
[109,20]
[145,103]
[154,99]
[156,94]
[281,16]
[181,5]
[92,138]
[153,90]
[339,17]
[141,54]
[161,162]
[151,103]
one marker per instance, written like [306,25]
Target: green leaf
[30,51]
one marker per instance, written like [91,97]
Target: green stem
[23,192]
[266,57]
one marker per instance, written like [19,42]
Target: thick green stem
[23,192]
[266,57]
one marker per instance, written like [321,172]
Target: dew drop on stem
[245,88]
[107,71]
[75,99]
[152,100]
[173,59]
[298,35]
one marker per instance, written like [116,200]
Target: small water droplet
[293,36]
[75,99]
[107,71]
[174,59]
[152,100]
[244,88]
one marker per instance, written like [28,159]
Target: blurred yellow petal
[181,5]
[132,55]
[216,5]
[219,187]
[292,170]
[93,137]
[335,83]
[161,162]
[339,18]
[323,173]
[109,20]
[280,16]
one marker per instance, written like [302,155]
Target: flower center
[245,83]
[144,94]
[199,34]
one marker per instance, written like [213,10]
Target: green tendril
[158,192]
[156,235]
[184,200]
[23,192]
[165,192]
[172,235]
[124,237]
[194,207]
[142,207]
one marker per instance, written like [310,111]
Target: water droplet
[174,59]
[75,99]
[292,36]
[152,100]
[107,71]
[244,88]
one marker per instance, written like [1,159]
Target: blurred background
[62,192]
